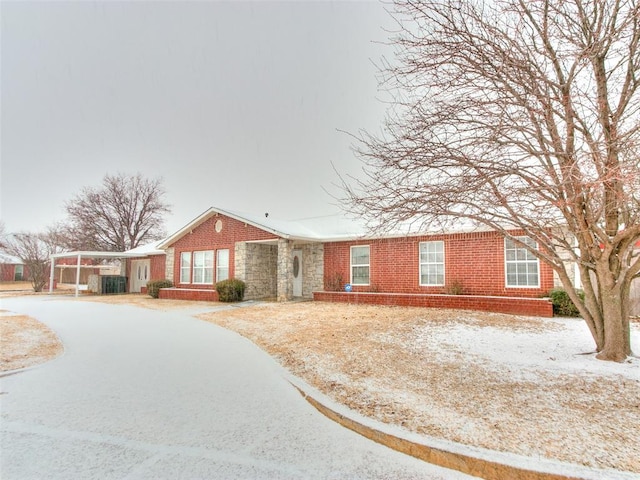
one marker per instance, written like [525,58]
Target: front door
[297,273]
[139,274]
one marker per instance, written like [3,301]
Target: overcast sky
[236,105]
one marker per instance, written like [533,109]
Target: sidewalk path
[141,394]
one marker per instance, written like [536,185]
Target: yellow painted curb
[478,467]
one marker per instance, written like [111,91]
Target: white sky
[236,105]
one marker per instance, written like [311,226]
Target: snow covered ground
[141,394]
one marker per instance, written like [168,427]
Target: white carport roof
[79,255]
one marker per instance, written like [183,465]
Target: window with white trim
[203,267]
[360,265]
[222,265]
[432,263]
[185,267]
[522,268]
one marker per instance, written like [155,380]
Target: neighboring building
[66,270]
[322,257]
[12,269]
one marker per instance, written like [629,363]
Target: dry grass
[145,301]
[368,358]
[25,342]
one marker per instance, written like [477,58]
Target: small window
[360,265]
[203,267]
[185,267]
[222,265]
[522,268]
[432,263]
[19,273]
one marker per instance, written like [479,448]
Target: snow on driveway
[144,394]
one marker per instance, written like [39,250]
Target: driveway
[141,394]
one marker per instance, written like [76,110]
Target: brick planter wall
[539,307]
[189,294]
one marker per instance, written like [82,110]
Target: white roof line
[93,254]
[208,214]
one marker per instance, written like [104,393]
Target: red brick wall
[519,306]
[475,260]
[8,272]
[188,294]
[158,267]
[205,237]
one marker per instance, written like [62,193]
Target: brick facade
[206,237]
[474,268]
[157,265]
[474,263]
[188,294]
[8,272]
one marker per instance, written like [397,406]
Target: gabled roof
[316,229]
[329,228]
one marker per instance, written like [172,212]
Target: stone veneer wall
[256,264]
[312,268]
[285,270]
[169,264]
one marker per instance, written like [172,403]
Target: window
[19,273]
[432,263]
[222,265]
[360,265]
[203,267]
[185,267]
[521,266]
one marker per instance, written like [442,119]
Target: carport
[79,255]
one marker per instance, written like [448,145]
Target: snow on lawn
[514,384]
[565,346]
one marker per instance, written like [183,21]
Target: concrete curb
[475,461]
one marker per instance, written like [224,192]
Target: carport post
[51,273]
[78,275]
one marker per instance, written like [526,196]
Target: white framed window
[432,263]
[360,265]
[522,268]
[185,267]
[203,267]
[222,265]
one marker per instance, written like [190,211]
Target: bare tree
[123,213]
[34,249]
[519,115]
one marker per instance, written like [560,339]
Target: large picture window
[185,267]
[203,267]
[432,263]
[222,265]
[360,265]
[522,267]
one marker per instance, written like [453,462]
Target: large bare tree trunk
[617,344]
